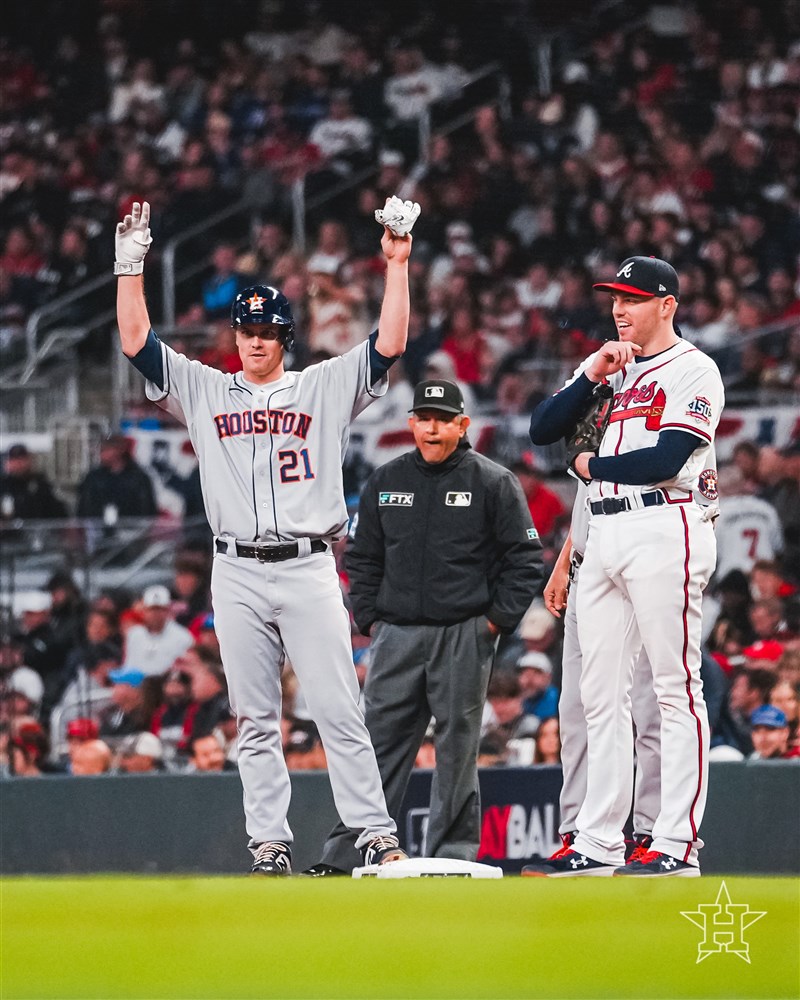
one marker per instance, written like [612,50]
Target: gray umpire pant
[415,672]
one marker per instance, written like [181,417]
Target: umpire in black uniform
[442,558]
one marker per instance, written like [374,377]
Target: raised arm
[132,241]
[396,246]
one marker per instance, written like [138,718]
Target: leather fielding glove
[132,240]
[591,426]
[397,215]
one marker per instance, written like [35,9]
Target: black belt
[616,505]
[279,552]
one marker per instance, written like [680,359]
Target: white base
[429,868]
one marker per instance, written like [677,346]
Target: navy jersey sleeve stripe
[149,361]
[378,364]
[647,465]
[556,417]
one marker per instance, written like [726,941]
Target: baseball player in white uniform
[270,445]
[650,552]
[560,595]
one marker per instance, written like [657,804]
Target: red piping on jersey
[689,686]
[635,383]
[687,499]
[691,429]
[642,375]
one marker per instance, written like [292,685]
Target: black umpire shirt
[438,544]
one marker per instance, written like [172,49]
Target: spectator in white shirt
[343,138]
[155,645]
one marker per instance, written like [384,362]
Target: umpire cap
[438,394]
[643,276]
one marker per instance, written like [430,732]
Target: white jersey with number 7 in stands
[679,389]
[270,455]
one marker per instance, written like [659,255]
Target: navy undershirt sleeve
[149,360]
[647,465]
[555,418]
[378,364]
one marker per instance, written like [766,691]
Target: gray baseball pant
[415,672]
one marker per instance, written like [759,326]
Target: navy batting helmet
[264,304]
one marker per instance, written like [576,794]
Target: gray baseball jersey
[270,456]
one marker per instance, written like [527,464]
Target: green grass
[236,938]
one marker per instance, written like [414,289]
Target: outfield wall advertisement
[194,823]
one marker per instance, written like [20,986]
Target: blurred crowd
[134,681]
[670,129]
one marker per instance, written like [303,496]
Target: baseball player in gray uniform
[270,445]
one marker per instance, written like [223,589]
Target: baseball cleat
[567,840]
[383,849]
[639,847]
[272,858]
[654,864]
[321,870]
[567,864]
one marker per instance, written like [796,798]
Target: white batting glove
[397,215]
[132,240]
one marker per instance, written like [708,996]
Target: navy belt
[279,552]
[616,505]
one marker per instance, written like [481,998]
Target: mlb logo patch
[434,392]
[458,499]
[395,499]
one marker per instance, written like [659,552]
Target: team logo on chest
[458,499]
[395,499]
[646,401]
[275,422]
[707,484]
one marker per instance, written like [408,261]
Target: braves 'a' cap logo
[256,303]
[625,271]
[434,391]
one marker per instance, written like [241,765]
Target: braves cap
[156,596]
[643,276]
[438,394]
[768,716]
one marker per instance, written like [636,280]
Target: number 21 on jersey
[295,465]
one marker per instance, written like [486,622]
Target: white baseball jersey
[748,529]
[271,455]
[679,389]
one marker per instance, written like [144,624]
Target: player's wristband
[120,268]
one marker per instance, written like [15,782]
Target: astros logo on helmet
[264,304]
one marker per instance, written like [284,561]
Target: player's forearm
[564,556]
[556,416]
[133,319]
[395,311]
[647,465]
